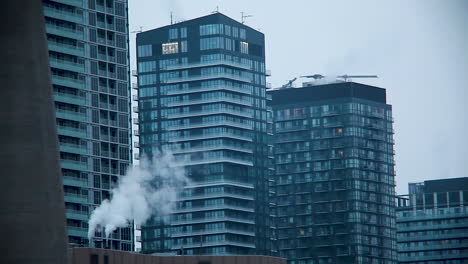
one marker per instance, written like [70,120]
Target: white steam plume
[148,189]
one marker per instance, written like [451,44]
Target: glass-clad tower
[335,185]
[89,60]
[201,91]
[432,222]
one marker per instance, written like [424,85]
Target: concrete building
[101,256]
[333,147]
[201,95]
[89,63]
[432,222]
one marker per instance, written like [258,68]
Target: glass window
[173,33]
[244,47]
[211,29]
[145,51]
[183,32]
[243,34]
[183,46]
[212,43]
[170,48]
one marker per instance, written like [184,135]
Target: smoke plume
[148,189]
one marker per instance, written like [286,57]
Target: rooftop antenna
[243,17]
[138,31]
[347,78]
[216,11]
[171,17]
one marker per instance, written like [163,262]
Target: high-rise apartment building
[333,147]
[89,60]
[201,91]
[432,222]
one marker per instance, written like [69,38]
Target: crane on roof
[289,84]
[346,77]
[315,76]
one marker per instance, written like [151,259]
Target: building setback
[201,92]
[432,222]
[333,147]
[88,55]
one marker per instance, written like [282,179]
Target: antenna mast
[171,17]
[243,17]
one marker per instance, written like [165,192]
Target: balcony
[208,77]
[267,72]
[213,207]
[206,64]
[64,48]
[63,15]
[75,198]
[210,124]
[73,165]
[215,160]
[72,148]
[71,132]
[214,243]
[70,115]
[135,86]
[211,219]
[208,89]
[209,100]
[209,232]
[208,136]
[211,148]
[63,31]
[68,82]
[69,98]
[66,65]
[134,73]
[77,231]
[211,112]
[74,181]
[77,3]
[215,195]
[77,215]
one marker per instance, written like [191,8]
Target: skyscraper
[432,222]
[89,60]
[201,90]
[333,148]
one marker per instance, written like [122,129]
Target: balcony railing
[207,63]
[211,135]
[209,100]
[210,124]
[211,112]
[208,89]
[207,77]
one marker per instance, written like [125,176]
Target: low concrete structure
[105,256]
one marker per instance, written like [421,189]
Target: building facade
[104,256]
[89,62]
[432,222]
[201,96]
[333,147]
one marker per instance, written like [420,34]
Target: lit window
[244,47]
[170,48]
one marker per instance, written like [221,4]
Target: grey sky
[418,48]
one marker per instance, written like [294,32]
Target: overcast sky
[419,50]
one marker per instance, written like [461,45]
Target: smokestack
[32,213]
